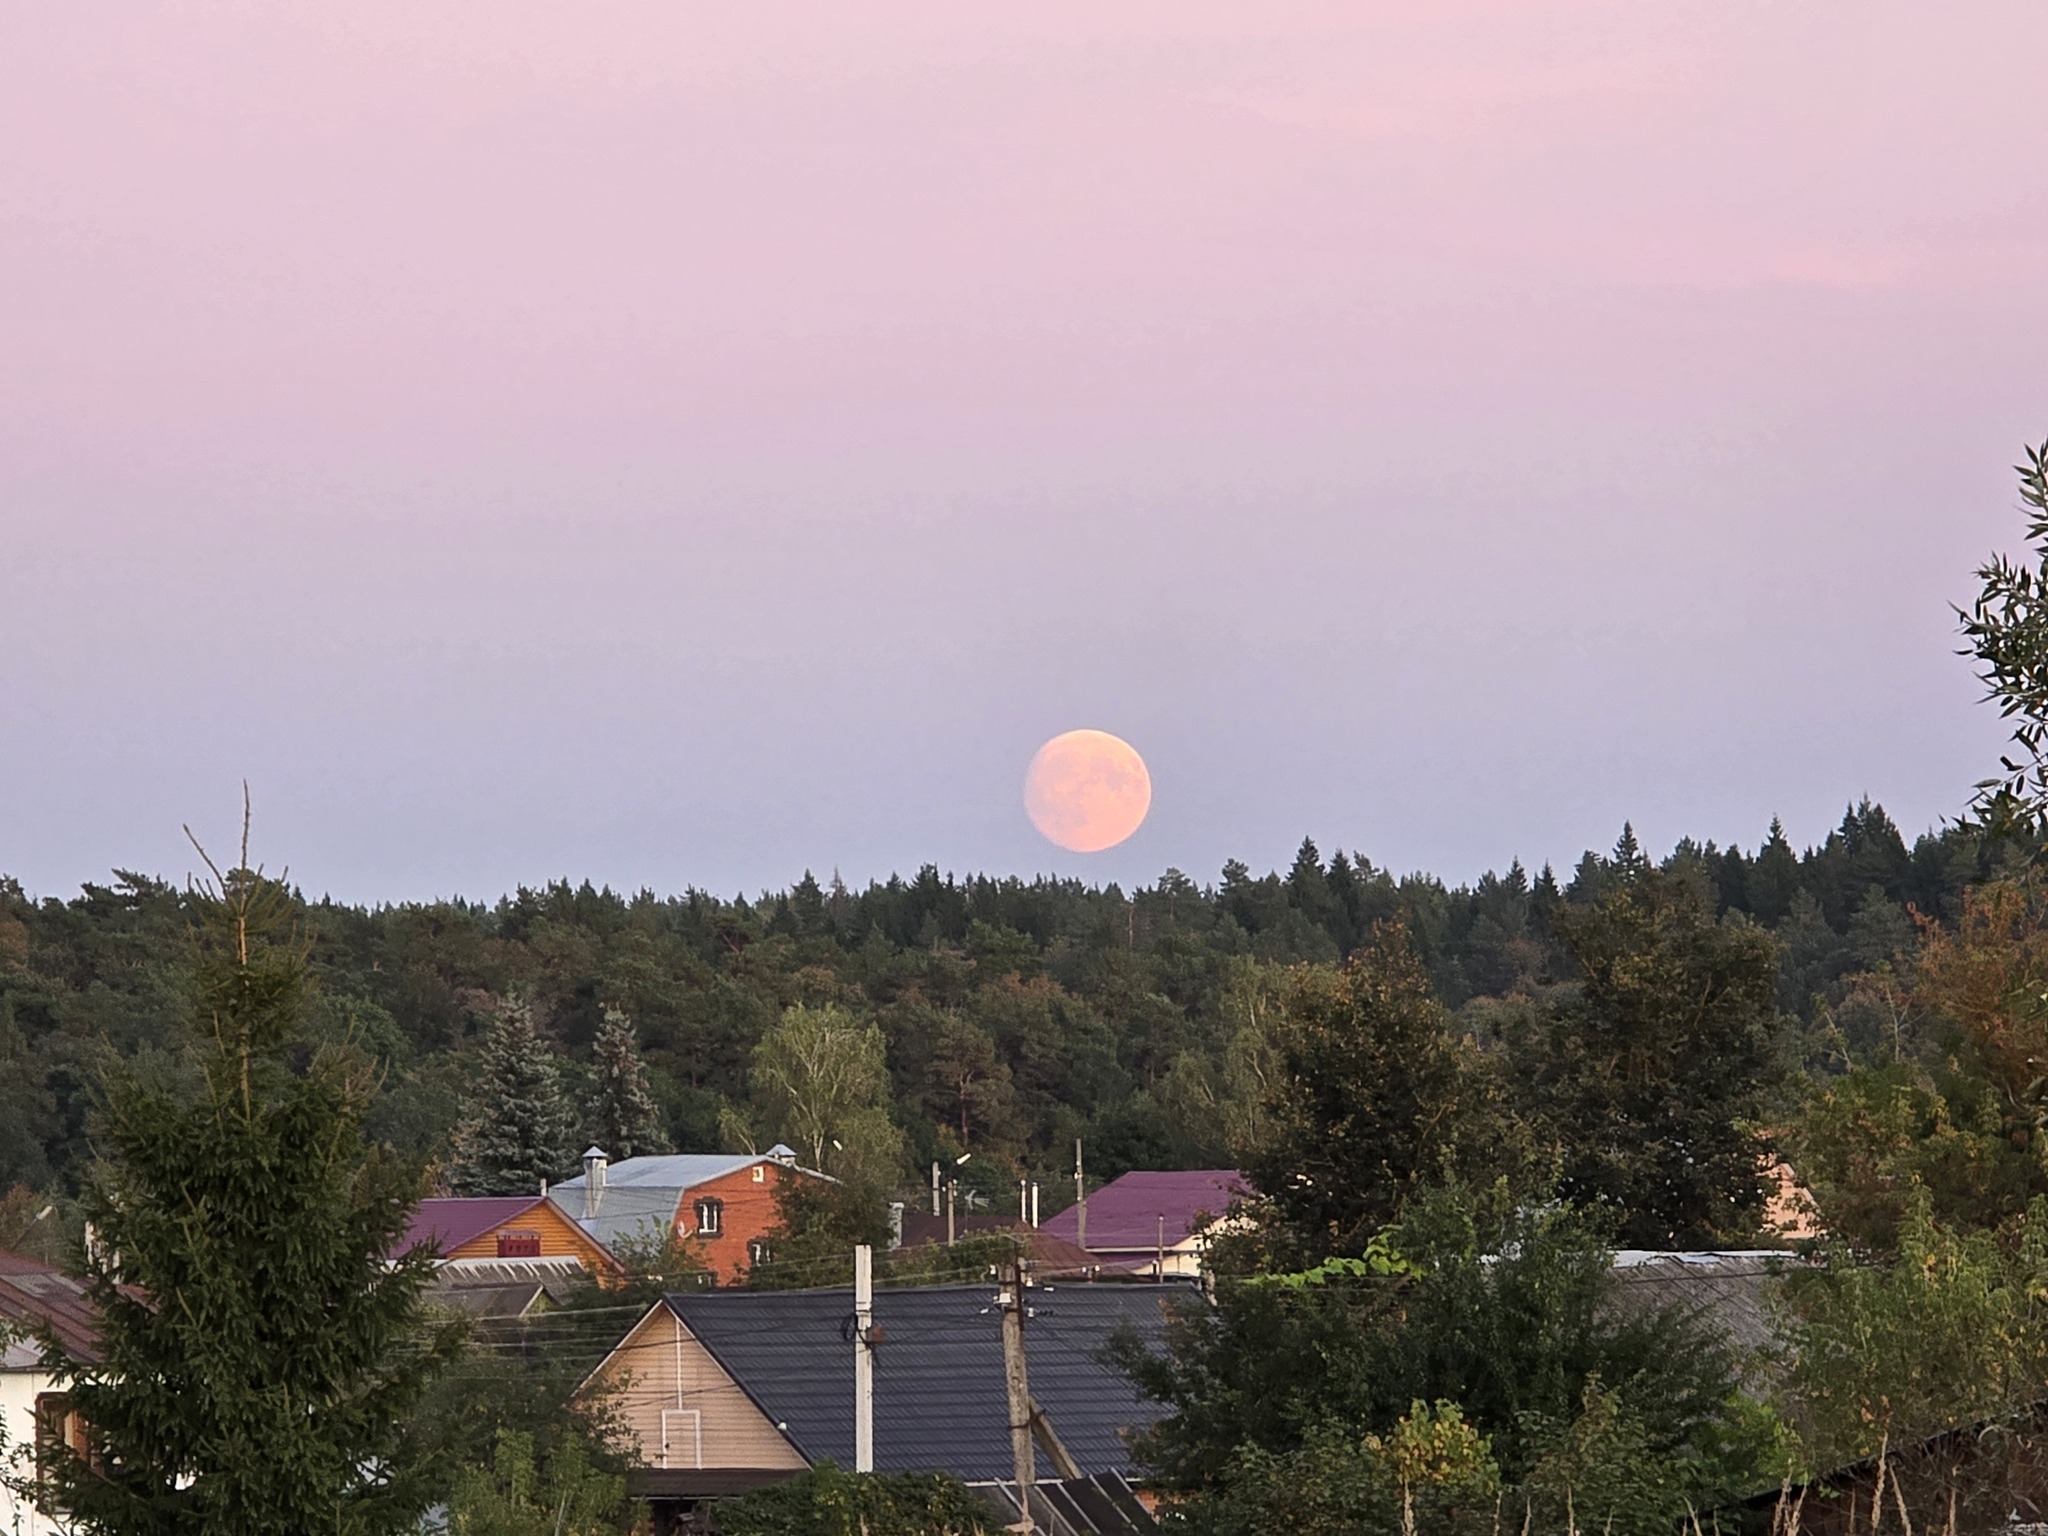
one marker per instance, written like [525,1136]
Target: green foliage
[1953,1329]
[519,1133]
[260,1357]
[525,1493]
[1652,1079]
[828,1502]
[2006,629]
[821,1083]
[1371,1095]
[1508,1311]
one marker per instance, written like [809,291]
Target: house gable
[541,1231]
[681,1407]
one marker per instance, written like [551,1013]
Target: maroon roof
[1123,1215]
[451,1223]
[1053,1255]
[22,1264]
[36,1296]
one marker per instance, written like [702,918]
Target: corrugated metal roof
[1124,1214]
[641,1195]
[682,1170]
[1729,1290]
[940,1403]
[35,1295]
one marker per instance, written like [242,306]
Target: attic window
[710,1217]
[515,1244]
[760,1173]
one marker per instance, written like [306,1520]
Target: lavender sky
[682,444]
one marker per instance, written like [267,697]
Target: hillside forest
[1009,1017]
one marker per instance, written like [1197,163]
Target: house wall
[662,1378]
[559,1238]
[750,1214]
[18,1393]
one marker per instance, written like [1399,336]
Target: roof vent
[594,1165]
[783,1154]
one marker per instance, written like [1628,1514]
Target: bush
[828,1502]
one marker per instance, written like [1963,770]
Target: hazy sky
[682,444]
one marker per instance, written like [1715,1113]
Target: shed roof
[34,1295]
[1729,1290]
[1123,1215]
[939,1393]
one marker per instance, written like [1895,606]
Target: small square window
[710,1217]
[757,1251]
[760,1173]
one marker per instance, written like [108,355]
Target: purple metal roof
[1124,1214]
[451,1223]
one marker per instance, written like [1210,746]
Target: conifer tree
[259,1354]
[624,1119]
[520,1132]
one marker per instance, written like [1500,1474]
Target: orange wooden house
[505,1227]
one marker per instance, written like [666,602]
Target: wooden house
[722,1391]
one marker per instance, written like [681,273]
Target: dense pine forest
[1014,1016]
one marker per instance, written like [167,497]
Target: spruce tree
[624,1119]
[259,1353]
[520,1132]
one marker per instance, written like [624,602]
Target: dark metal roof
[701,1482]
[939,1395]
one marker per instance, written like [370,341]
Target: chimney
[594,1165]
[782,1153]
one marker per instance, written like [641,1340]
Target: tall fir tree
[259,1352]
[624,1119]
[520,1132]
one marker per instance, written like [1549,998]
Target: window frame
[710,1216]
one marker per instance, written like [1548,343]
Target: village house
[33,1411]
[1159,1224]
[724,1204]
[505,1256]
[721,1392]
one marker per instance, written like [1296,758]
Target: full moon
[1087,790]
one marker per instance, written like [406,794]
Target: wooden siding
[670,1393]
[559,1238]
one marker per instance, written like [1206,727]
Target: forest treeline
[1013,1016]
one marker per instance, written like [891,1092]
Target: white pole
[863,1359]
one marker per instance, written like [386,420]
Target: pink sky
[677,444]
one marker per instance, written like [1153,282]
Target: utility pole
[1080,1200]
[1034,1202]
[863,1358]
[1159,1264]
[949,1213]
[935,1188]
[1010,1301]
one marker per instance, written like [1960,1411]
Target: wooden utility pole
[1010,1301]
[863,1358]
